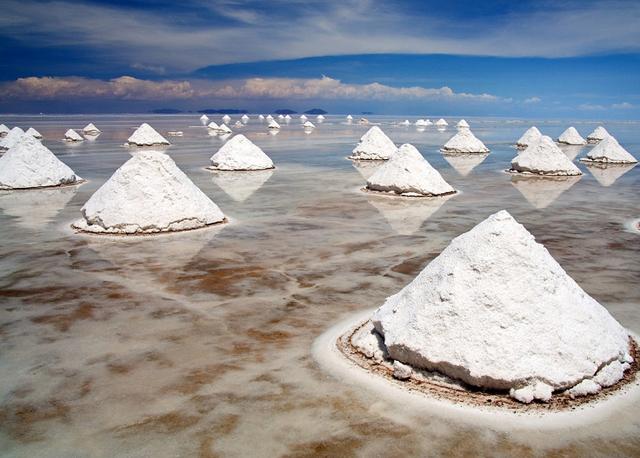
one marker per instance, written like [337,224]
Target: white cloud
[533,100]
[615,106]
[591,106]
[622,106]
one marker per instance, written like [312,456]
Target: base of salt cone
[603,162]
[216,169]
[454,152]
[407,195]
[63,185]
[533,174]
[358,159]
[78,230]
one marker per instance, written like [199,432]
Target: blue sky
[533,59]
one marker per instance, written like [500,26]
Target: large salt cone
[374,145]
[240,153]
[464,142]
[609,151]
[30,164]
[571,137]
[408,173]
[543,157]
[531,135]
[145,135]
[598,134]
[496,311]
[148,194]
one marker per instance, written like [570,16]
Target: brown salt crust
[604,164]
[409,196]
[145,234]
[64,185]
[449,152]
[462,393]
[212,169]
[531,174]
[358,159]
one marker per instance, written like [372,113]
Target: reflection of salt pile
[91,129]
[11,138]
[441,123]
[607,174]
[36,208]
[407,173]
[240,153]
[30,164]
[148,194]
[542,192]
[4,130]
[204,118]
[462,124]
[465,163]
[531,135]
[571,151]
[496,311]
[598,134]
[72,136]
[34,133]
[226,119]
[571,137]
[544,158]
[609,151]
[464,142]
[241,185]
[366,168]
[374,145]
[406,216]
[145,135]
[273,124]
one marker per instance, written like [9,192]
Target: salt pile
[609,151]
[464,142]
[145,135]
[531,135]
[213,126]
[320,118]
[91,129]
[204,118]
[11,138]
[269,118]
[541,192]
[30,164]
[4,130]
[238,124]
[571,137]
[405,123]
[462,124]
[280,117]
[273,124]
[72,136]
[224,129]
[148,194]
[374,145]
[544,158]
[261,117]
[303,118]
[308,125]
[349,118]
[287,118]
[226,119]
[409,174]
[245,118]
[465,163]
[598,134]
[441,123]
[34,133]
[606,174]
[427,122]
[496,311]
[240,153]
[421,123]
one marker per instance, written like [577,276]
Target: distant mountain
[285,111]
[367,112]
[316,111]
[222,111]
[166,111]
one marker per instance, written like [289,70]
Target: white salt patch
[308,125]
[531,135]
[571,137]
[441,123]
[4,130]
[536,390]
[226,119]
[145,135]
[610,151]
[273,124]
[408,173]
[34,133]
[598,134]
[543,157]
[607,174]
[584,388]
[462,124]
[405,123]
[495,310]
[421,123]
[72,136]
[148,194]
[30,164]
[464,142]
[369,342]
[91,129]
[349,118]
[11,138]
[374,145]
[401,371]
[175,133]
[611,374]
[240,153]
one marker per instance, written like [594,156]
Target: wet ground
[199,343]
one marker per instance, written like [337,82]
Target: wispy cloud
[614,106]
[533,100]
[622,106]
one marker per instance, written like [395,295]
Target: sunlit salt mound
[72,136]
[4,130]
[349,118]
[273,124]
[308,125]
[261,117]
[245,118]
[213,126]
[34,133]
[374,145]
[464,142]
[303,118]
[287,118]
[204,118]
[30,164]
[226,119]
[148,194]
[238,124]
[240,153]
[280,117]
[598,134]
[145,135]
[224,129]
[407,173]
[462,124]
[544,158]
[571,137]
[11,138]
[406,122]
[496,311]
[421,123]
[441,123]
[91,129]
[531,135]
[320,118]
[269,117]
[609,151]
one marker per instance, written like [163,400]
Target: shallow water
[200,343]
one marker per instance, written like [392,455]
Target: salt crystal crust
[4,130]
[407,173]
[598,134]
[91,129]
[464,142]
[543,157]
[496,311]
[34,133]
[571,137]
[148,194]
[531,135]
[609,151]
[72,136]
[11,138]
[240,153]
[374,145]
[30,164]
[273,124]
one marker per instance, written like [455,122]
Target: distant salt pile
[213,126]
[261,117]
[72,136]
[349,118]
[421,123]
[245,118]
[11,138]
[462,124]
[571,137]
[497,312]
[428,122]
[303,118]
[148,194]
[531,135]
[320,118]
[240,153]
[91,129]
[273,124]
[226,119]
[204,119]
[464,142]
[408,173]
[145,135]
[609,151]
[441,123]
[406,122]
[34,133]
[4,130]
[269,118]
[281,117]
[287,118]
[374,145]
[238,124]
[30,164]
[544,158]
[224,129]
[598,134]
[309,125]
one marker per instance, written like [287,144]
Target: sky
[548,59]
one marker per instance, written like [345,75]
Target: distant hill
[285,111]
[222,111]
[316,111]
[166,111]
[367,112]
